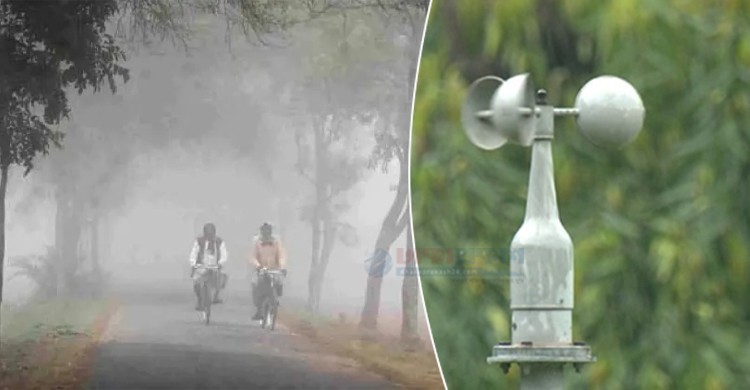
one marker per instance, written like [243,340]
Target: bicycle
[208,285]
[270,305]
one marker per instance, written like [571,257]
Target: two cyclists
[209,253]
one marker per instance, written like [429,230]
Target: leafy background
[661,228]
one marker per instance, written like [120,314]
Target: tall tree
[332,72]
[334,171]
[47,47]
[357,68]
[392,143]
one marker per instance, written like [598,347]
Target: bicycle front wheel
[274,311]
[207,302]
[266,313]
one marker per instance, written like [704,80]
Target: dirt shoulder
[51,345]
[413,366]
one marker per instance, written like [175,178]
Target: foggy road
[156,341]
[186,115]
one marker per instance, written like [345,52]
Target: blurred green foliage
[661,228]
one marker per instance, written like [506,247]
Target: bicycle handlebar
[270,271]
[206,266]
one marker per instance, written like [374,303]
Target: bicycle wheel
[274,305]
[207,302]
[265,311]
[274,311]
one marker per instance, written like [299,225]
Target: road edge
[369,349]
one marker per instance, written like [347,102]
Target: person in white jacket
[211,251]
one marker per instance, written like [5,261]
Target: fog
[206,135]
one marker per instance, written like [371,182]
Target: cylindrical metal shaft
[541,294]
[542,377]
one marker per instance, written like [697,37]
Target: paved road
[156,341]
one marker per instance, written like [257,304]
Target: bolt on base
[541,366]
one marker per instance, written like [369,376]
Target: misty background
[221,131]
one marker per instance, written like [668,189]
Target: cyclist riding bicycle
[268,253]
[208,250]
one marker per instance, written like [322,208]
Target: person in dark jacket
[208,250]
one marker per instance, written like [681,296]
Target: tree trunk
[3,191]
[312,278]
[95,253]
[313,260]
[105,239]
[70,260]
[392,226]
[59,238]
[329,239]
[395,220]
[317,217]
[410,293]
[67,235]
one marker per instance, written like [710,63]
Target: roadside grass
[412,365]
[50,345]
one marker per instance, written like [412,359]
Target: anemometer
[609,113]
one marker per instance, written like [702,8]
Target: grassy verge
[51,345]
[413,366]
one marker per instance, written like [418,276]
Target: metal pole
[541,293]
[541,301]
[609,112]
[542,376]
